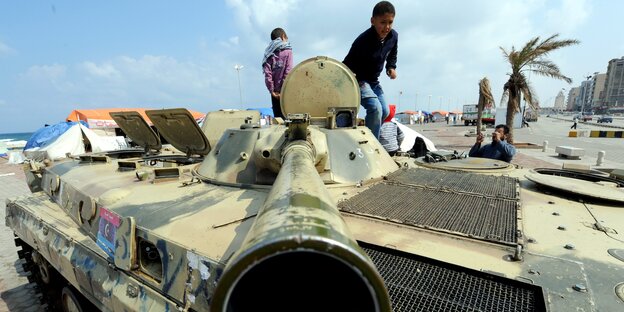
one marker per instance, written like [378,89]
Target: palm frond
[548,69]
[505,53]
[528,51]
[535,51]
[552,74]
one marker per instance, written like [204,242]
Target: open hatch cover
[584,184]
[178,126]
[137,129]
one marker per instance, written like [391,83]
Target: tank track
[48,288]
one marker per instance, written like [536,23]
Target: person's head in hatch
[500,133]
[392,108]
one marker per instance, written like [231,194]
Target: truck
[469,115]
[531,115]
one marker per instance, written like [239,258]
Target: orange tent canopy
[100,118]
[409,112]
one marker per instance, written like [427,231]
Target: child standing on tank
[276,64]
[370,50]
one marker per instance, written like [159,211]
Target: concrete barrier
[570,152]
[578,133]
[606,134]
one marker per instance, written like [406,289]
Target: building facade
[613,95]
[583,101]
[597,90]
[573,96]
[560,102]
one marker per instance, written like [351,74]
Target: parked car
[583,118]
[605,119]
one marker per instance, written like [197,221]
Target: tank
[312,214]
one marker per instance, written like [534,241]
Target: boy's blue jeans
[376,108]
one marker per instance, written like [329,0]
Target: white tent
[73,142]
[410,138]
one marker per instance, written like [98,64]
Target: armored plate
[217,122]
[473,164]
[180,129]
[317,84]
[579,183]
[137,129]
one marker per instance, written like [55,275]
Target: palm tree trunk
[479,115]
[514,102]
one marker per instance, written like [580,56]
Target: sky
[56,56]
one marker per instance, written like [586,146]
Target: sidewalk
[16,293]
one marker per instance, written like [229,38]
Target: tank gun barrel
[299,254]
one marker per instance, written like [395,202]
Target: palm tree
[531,58]
[486,100]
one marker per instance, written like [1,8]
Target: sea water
[16,136]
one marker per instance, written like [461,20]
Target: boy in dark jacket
[370,50]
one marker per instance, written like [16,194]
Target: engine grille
[473,205]
[478,184]
[420,284]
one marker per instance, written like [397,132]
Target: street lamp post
[429,105]
[240,91]
[585,97]
[416,103]
[399,108]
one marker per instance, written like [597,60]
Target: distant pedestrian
[574,125]
[525,123]
[276,64]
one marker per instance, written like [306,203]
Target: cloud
[230,42]
[146,81]
[234,40]
[5,49]
[103,70]
[53,72]
[262,13]
[442,51]
[571,15]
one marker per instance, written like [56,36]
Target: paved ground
[453,137]
[16,294]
